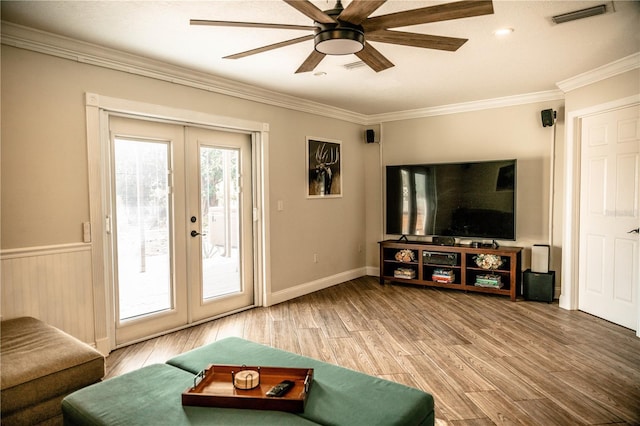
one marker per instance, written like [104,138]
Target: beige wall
[45,195]
[44,173]
[610,89]
[500,133]
[45,178]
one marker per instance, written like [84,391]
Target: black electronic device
[444,241]
[548,117]
[370,135]
[474,200]
[538,286]
[280,389]
[438,258]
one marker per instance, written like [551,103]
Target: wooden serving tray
[213,387]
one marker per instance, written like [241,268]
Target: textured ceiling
[536,56]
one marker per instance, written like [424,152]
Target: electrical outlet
[315,257]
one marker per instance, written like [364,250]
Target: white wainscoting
[52,284]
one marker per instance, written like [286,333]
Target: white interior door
[609,219]
[181,237]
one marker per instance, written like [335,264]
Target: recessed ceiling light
[319,74]
[503,31]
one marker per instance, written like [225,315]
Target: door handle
[196,233]
[634,231]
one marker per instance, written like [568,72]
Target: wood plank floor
[486,360]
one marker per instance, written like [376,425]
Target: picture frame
[323,167]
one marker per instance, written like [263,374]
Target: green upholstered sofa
[40,365]
[338,396]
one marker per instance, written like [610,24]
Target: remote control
[281,388]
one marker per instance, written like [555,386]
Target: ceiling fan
[343,31]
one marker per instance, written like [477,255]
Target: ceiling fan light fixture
[342,31]
[339,41]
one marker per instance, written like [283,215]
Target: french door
[181,234]
[220,221]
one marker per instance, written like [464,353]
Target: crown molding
[87,53]
[550,95]
[612,69]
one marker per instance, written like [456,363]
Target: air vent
[354,65]
[579,14]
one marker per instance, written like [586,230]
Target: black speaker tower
[538,286]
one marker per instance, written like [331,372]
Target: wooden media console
[454,267]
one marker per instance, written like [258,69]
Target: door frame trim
[572,170]
[98,108]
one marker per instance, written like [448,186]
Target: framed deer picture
[324,168]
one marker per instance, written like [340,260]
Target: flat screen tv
[464,200]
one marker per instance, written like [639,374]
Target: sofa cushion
[40,363]
[152,395]
[338,396]
[44,413]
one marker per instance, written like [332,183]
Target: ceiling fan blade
[269,47]
[311,62]
[417,40]
[376,61]
[310,10]
[358,10]
[250,25]
[441,12]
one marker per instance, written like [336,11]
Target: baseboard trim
[313,286]
[374,271]
[103,346]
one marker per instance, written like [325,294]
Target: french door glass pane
[142,227]
[220,216]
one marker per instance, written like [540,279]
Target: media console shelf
[453,267]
